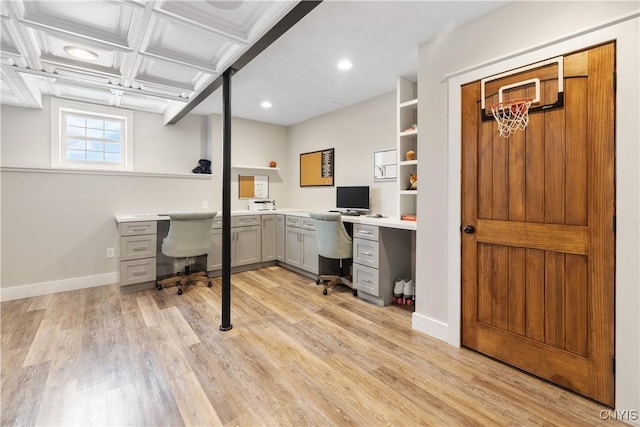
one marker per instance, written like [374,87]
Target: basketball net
[511,115]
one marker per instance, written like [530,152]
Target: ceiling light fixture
[345,64]
[81,53]
[266,104]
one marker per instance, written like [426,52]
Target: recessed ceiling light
[266,104]
[345,64]
[80,52]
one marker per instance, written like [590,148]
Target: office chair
[189,236]
[333,242]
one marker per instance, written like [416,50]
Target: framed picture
[316,168]
[385,165]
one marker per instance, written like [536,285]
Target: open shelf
[256,168]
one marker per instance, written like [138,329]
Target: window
[90,137]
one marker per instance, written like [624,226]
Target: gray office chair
[333,243]
[189,236]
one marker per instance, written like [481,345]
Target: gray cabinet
[300,243]
[214,256]
[246,240]
[137,249]
[245,245]
[379,258]
[280,238]
[269,238]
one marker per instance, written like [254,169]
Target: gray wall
[470,47]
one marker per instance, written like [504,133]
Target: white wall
[475,46]
[57,225]
[355,133]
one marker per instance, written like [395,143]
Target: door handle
[469,229]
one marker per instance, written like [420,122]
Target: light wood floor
[294,357]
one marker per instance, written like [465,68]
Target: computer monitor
[354,198]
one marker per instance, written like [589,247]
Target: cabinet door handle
[140,273]
[367,253]
[139,229]
[138,249]
[366,280]
[364,232]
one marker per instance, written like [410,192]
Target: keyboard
[351,213]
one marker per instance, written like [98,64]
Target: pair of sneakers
[404,292]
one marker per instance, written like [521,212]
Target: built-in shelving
[407,141]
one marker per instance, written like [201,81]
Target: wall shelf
[256,168]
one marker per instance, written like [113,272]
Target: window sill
[106,172]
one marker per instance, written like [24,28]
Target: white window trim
[58,160]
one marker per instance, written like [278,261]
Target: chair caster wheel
[355,292]
[317,281]
[159,287]
[209,285]
[179,291]
[324,292]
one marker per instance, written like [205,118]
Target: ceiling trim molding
[285,24]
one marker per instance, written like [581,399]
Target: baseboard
[45,288]
[431,327]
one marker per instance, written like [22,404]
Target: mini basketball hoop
[511,115]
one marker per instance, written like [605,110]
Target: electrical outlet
[205,204]
[111,252]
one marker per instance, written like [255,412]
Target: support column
[226,200]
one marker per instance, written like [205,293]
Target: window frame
[59,109]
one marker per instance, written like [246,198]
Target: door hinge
[614,223]
[615,81]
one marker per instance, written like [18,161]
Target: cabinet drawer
[365,252]
[307,223]
[217,222]
[366,279]
[364,231]
[136,247]
[137,271]
[293,221]
[245,220]
[139,227]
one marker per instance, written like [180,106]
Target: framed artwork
[316,168]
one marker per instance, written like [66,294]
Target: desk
[384,249]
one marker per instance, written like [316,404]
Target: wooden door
[538,272]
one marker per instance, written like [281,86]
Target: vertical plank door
[538,265]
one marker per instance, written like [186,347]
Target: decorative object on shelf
[410,155]
[413,181]
[408,217]
[204,167]
[272,164]
[385,165]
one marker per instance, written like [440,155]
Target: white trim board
[625,33]
[55,286]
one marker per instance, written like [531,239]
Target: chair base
[330,281]
[181,280]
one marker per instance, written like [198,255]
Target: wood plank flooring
[294,357]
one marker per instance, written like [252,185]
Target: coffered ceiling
[161,56]
[144,55]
